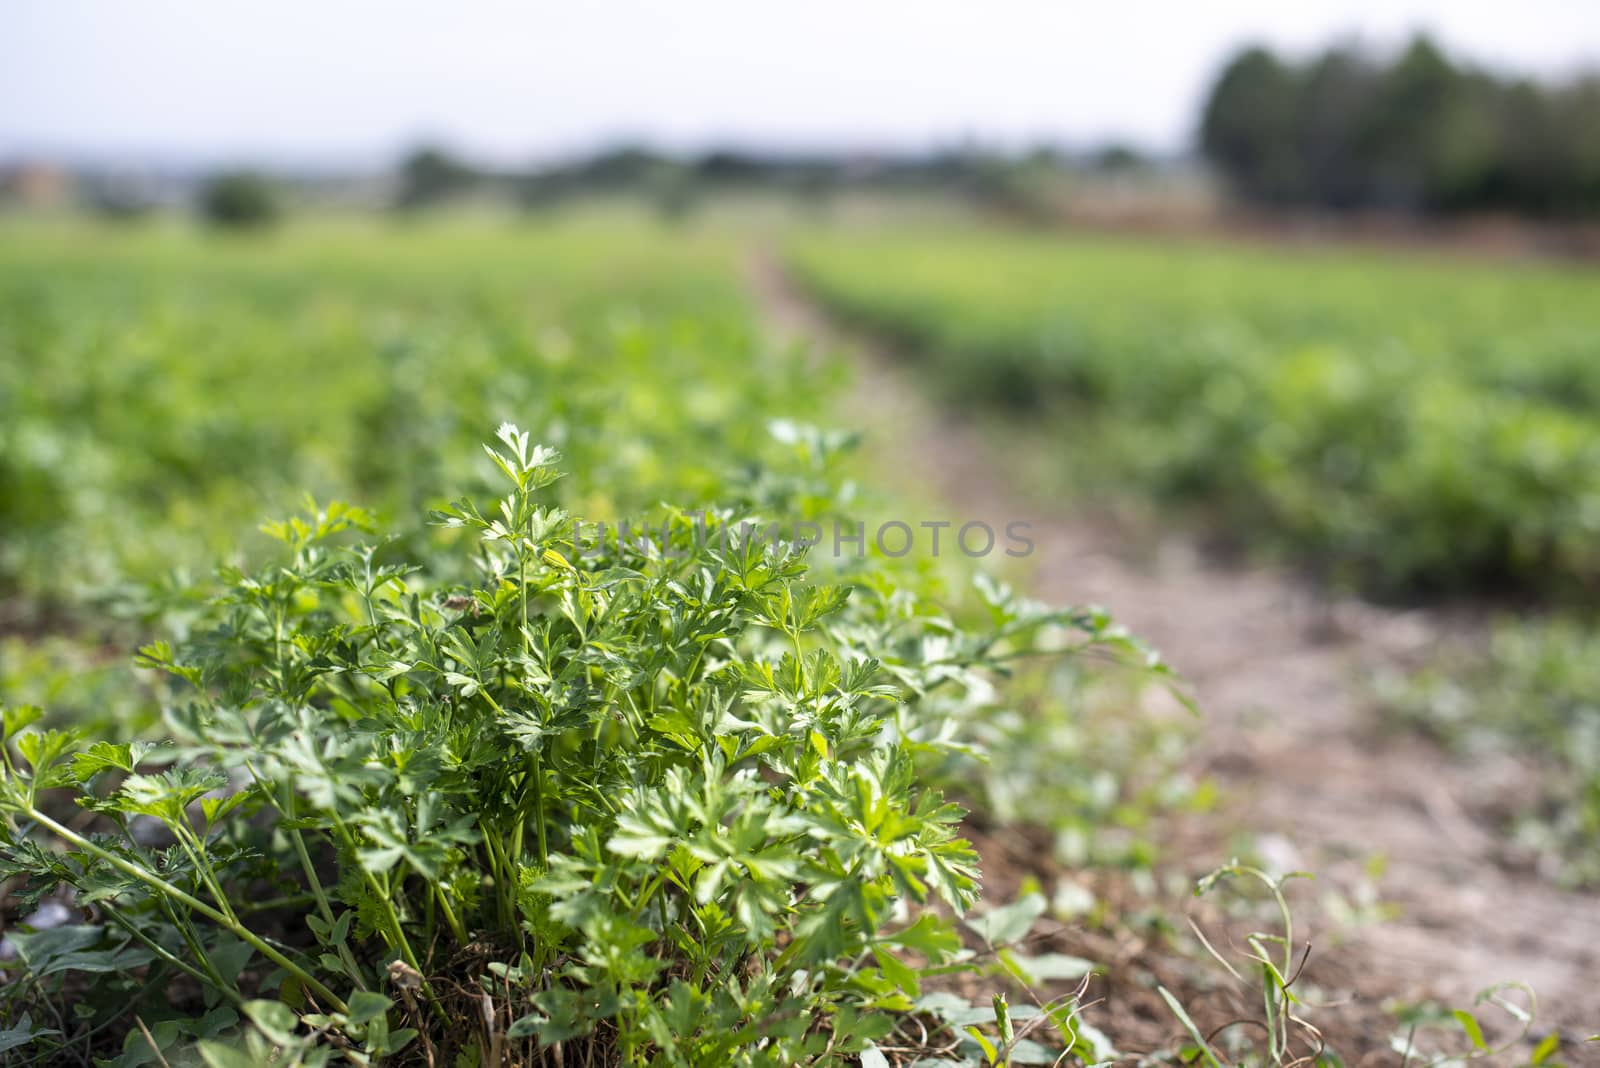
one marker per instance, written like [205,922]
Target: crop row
[1402,422]
[466,790]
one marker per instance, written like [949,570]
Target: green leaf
[933,936]
[1470,1025]
[70,949]
[954,1009]
[229,957]
[275,1019]
[43,749]
[1027,1051]
[563,1016]
[101,756]
[214,808]
[398,1040]
[897,972]
[220,1019]
[1009,923]
[140,1050]
[1053,966]
[1189,1025]
[23,1033]
[812,603]
[159,655]
[15,717]
[225,1055]
[1543,1050]
[991,1054]
[366,1006]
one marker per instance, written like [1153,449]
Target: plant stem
[287,807]
[185,928]
[450,915]
[535,791]
[396,931]
[155,882]
[169,957]
[536,777]
[191,845]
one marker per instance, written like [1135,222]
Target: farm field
[1405,425]
[407,772]
[174,386]
[1400,423]
[165,392]
[374,761]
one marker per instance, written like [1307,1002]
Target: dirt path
[1276,670]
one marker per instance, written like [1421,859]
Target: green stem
[535,769]
[396,931]
[196,849]
[450,915]
[287,807]
[186,930]
[155,882]
[536,775]
[535,791]
[284,902]
[522,581]
[169,957]
[500,866]
[277,643]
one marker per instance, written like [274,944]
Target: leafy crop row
[159,393]
[669,806]
[1408,424]
[459,793]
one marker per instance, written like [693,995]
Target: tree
[429,175]
[1248,127]
[1334,98]
[240,200]
[1428,139]
[1578,115]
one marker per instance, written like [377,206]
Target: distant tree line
[1413,132]
[676,183]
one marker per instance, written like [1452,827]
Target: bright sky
[354,81]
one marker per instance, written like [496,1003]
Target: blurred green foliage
[429,176]
[1408,423]
[162,390]
[159,392]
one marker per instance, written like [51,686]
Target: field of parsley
[400,774]
[329,739]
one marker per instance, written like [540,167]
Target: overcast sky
[354,81]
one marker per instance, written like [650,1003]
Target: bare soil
[1309,773]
